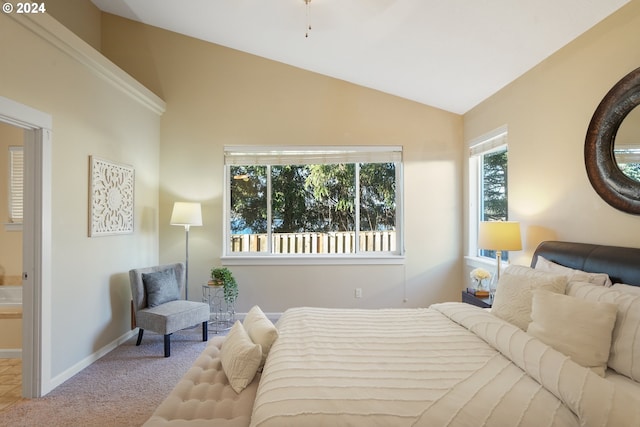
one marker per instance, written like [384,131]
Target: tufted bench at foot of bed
[204,397]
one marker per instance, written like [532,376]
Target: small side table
[474,300]
[222,314]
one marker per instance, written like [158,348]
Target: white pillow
[261,330]
[512,301]
[625,345]
[578,328]
[601,279]
[635,290]
[240,357]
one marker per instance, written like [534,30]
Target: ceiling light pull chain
[308,4]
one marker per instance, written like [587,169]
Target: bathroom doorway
[36,244]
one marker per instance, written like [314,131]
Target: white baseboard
[64,376]
[11,353]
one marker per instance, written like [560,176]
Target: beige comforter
[449,365]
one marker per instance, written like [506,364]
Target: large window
[321,201]
[488,188]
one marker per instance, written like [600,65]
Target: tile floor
[10,382]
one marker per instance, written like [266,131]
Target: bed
[454,364]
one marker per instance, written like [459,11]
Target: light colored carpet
[121,389]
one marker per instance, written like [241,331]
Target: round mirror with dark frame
[620,189]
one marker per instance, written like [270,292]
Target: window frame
[492,142]
[352,154]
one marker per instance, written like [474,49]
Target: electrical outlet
[358,293]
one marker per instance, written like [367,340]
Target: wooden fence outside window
[342,242]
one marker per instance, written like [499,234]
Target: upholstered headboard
[621,264]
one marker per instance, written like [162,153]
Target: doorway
[11,189]
[36,245]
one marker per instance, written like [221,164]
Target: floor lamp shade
[186,214]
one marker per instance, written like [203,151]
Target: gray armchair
[157,303]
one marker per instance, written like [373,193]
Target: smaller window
[493,203]
[488,185]
[16,184]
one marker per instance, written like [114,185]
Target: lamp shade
[186,214]
[499,236]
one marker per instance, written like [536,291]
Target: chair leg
[140,332]
[167,345]
[205,331]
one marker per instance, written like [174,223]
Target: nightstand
[474,300]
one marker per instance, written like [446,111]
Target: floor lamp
[186,214]
[499,236]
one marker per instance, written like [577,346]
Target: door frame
[36,245]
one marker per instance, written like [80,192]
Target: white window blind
[251,155]
[16,183]
[489,142]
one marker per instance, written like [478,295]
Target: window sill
[484,262]
[313,260]
[13,226]
[479,261]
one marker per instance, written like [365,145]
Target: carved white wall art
[111,198]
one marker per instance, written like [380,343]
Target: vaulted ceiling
[450,54]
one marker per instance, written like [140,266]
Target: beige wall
[219,96]
[89,283]
[10,240]
[548,111]
[80,16]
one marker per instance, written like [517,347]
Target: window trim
[355,154]
[311,259]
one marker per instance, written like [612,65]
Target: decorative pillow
[240,357]
[512,301]
[261,330]
[573,275]
[621,287]
[161,286]
[578,328]
[625,344]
